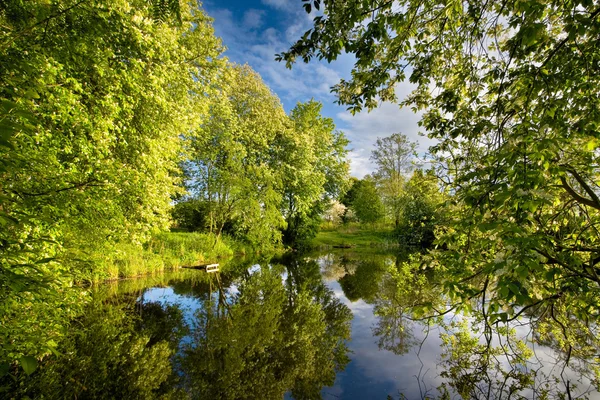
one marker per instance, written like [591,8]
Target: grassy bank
[354,235]
[164,252]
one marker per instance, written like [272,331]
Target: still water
[329,325]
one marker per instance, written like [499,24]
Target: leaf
[6,219]
[29,364]
[4,368]
[32,94]
[592,144]
[45,260]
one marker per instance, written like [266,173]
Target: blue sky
[254,31]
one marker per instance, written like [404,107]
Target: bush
[191,215]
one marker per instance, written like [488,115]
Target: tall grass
[189,248]
[165,251]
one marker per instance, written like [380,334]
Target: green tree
[94,96]
[367,204]
[510,91]
[348,197]
[314,170]
[394,156]
[191,214]
[230,163]
[421,209]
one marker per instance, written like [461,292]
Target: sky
[255,30]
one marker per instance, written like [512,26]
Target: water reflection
[449,354]
[281,328]
[267,339]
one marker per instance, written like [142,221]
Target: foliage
[230,164]
[511,92]
[420,205]
[315,171]
[259,171]
[394,157]
[191,215]
[367,205]
[348,197]
[335,212]
[94,96]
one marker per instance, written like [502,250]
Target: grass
[354,235]
[164,252]
[168,251]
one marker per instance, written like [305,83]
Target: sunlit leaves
[510,92]
[94,96]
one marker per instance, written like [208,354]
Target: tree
[192,214]
[93,98]
[367,205]
[394,156]
[231,164]
[314,170]
[348,198]
[511,92]
[335,212]
[420,209]
[263,173]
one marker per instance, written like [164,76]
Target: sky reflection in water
[372,372]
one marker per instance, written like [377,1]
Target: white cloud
[255,36]
[365,127]
[253,18]
[282,4]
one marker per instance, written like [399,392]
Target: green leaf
[29,364]
[45,260]
[514,288]
[32,94]
[4,369]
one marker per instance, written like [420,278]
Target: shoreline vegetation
[169,251]
[354,235]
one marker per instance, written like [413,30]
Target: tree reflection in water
[278,328]
[270,337]
[545,353]
[278,331]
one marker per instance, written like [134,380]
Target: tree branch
[577,196]
[80,185]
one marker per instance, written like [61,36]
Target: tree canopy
[394,157]
[511,92]
[94,96]
[263,173]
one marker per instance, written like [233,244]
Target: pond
[333,325]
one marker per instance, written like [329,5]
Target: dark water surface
[330,325]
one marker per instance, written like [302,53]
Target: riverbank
[354,235]
[166,251]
